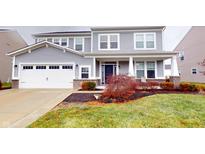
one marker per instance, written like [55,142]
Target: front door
[108,72]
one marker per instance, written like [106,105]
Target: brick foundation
[77,82]
[15,84]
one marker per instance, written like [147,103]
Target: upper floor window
[79,44]
[56,41]
[109,41]
[50,39]
[181,55]
[145,41]
[64,42]
[41,39]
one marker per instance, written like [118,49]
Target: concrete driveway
[20,107]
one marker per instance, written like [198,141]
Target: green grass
[6,85]
[164,110]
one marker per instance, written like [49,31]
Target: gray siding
[53,55]
[124,67]
[127,40]
[160,72]
[87,45]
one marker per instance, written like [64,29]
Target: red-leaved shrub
[119,88]
[167,85]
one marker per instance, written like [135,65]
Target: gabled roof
[67,33]
[106,28]
[40,45]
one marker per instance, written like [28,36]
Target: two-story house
[65,59]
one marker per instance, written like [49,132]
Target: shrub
[193,87]
[0,84]
[148,85]
[184,86]
[119,88]
[153,84]
[88,85]
[167,85]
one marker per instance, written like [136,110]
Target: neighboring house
[191,52]
[65,59]
[9,41]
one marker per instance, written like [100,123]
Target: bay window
[79,44]
[109,42]
[144,41]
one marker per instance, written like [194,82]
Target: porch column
[174,67]
[131,68]
[94,67]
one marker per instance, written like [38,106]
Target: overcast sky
[172,34]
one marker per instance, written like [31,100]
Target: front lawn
[161,110]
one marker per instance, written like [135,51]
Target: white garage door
[47,76]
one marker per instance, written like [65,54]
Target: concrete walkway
[20,107]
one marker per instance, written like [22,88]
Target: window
[41,39]
[27,67]
[67,67]
[54,67]
[56,41]
[145,41]
[103,42]
[181,55]
[109,41]
[140,69]
[194,71]
[84,72]
[79,44]
[40,67]
[50,39]
[150,69]
[140,41]
[64,42]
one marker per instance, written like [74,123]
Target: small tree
[120,87]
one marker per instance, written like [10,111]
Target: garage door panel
[51,77]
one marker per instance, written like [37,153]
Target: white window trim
[145,48]
[56,38]
[145,76]
[89,71]
[83,43]
[108,41]
[145,69]
[49,38]
[67,41]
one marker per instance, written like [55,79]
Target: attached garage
[46,76]
[47,65]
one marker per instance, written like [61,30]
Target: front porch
[143,67]
[139,68]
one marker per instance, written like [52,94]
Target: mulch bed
[80,97]
[89,97]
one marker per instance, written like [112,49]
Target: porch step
[100,87]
